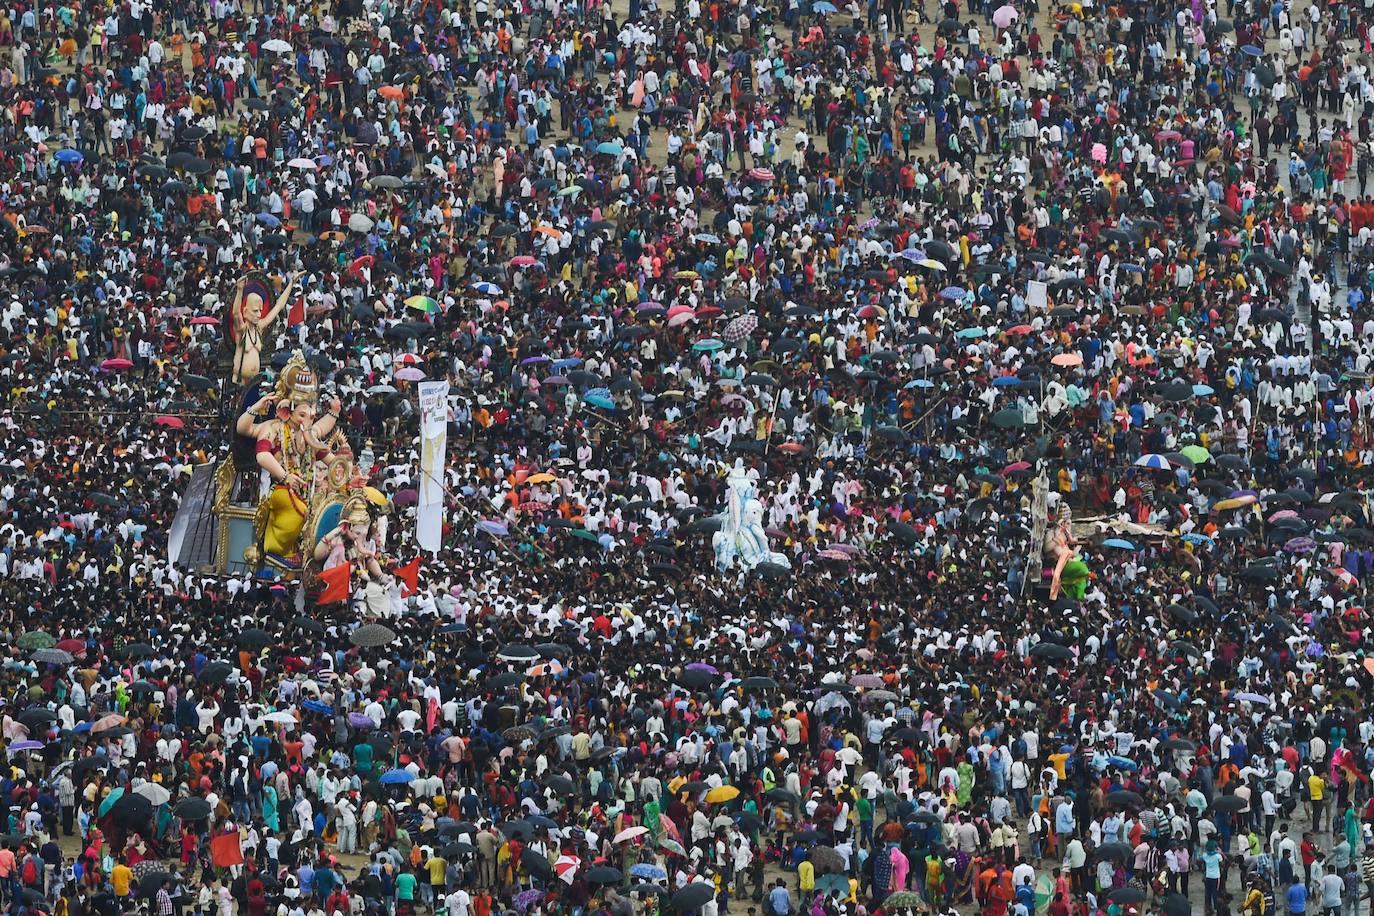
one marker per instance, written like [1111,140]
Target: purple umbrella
[702,666]
[556,380]
[360,720]
[1300,545]
[493,527]
[534,360]
[405,498]
[27,745]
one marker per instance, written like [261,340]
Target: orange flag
[296,313]
[335,583]
[409,574]
[225,849]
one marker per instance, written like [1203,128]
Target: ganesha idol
[307,474]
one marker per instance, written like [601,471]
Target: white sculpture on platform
[741,536]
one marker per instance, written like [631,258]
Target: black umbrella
[1229,803]
[759,683]
[1051,650]
[192,809]
[603,874]
[694,896]
[132,810]
[372,635]
[1127,895]
[536,863]
[1117,852]
[1124,798]
[255,638]
[215,673]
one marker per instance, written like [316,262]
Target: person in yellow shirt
[806,878]
[1316,794]
[120,876]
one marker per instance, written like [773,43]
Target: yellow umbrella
[541,477]
[722,794]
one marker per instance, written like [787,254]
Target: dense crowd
[902,457]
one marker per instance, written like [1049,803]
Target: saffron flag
[335,581]
[296,314]
[225,849]
[409,574]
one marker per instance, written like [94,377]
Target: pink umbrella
[680,315]
[409,374]
[205,319]
[114,365]
[1005,16]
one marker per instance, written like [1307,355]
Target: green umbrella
[584,534]
[36,639]
[903,900]
[115,795]
[1196,454]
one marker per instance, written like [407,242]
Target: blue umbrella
[1201,391]
[911,254]
[1132,268]
[971,333]
[608,148]
[648,872]
[486,289]
[496,528]
[1119,543]
[919,383]
[569,362]
[707,345]
[1193,537]
[1124,763]
[1252,50]
[1153,462]
[1003,381]
[953,292]
[397,777]
[597,400]
[824,6]
[268,220]
[69,155]
[318,706]
[454,627]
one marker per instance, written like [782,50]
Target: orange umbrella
[391,92]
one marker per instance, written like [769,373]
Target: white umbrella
[360,223]
[277,46]
[154,793]
[630,833]
[300,162]
[1005,16]
[281,717]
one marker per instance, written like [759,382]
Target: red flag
[410,576]
[296,314]
[225,849]
[335,583]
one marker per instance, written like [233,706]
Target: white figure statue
[741,536]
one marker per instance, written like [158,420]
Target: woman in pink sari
[900,866]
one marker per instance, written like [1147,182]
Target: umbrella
[1051,650]
[215,673]
[255,638]
[154,792]
[1127,895]
[36,639]
[1229,803]
[372,635]
[603,874]
[53,656]
[630,833]
[826,860]
[694,896]
[396,777]
[192,809]
[740,328]
[1004,16]
[720,794]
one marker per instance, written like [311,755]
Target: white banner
[1037,295]
[429,509]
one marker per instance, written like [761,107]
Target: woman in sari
[962,879]
[269,808]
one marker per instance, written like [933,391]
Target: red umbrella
[204,319]
[74,646]
[357,267]
[170,422]
[113,365]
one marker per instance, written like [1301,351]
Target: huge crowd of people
[1041,335]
